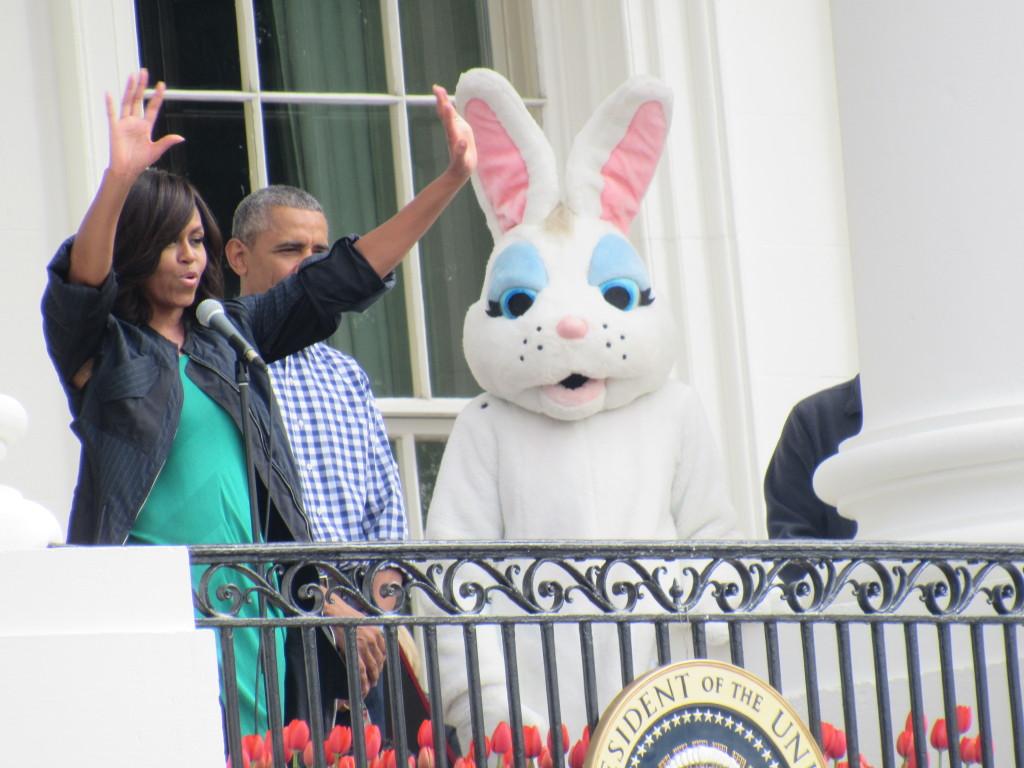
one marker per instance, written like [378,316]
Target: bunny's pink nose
[570,327]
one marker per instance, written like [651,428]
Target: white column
[100,657]
[931,101]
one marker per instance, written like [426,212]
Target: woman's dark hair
[158,208]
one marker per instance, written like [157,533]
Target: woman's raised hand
[132,148]
[461,146]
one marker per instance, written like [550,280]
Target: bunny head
[567,324]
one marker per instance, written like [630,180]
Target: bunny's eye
[617,271]
[513,303]
[517,276]
[622,293]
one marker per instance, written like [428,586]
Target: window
[334,97]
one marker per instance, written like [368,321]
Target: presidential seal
[701,714]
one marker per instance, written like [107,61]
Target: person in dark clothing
[812,433]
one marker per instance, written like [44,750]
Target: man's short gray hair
[251,215]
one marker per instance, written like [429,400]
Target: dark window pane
[342,156]
[189,43]
[440,40]
[453,255]
[214,157]
[320,46]
[428,461]
[379,339]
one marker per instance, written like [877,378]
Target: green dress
[201,497]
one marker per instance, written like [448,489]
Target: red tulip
[586,735]
[545,761]
[307,755]
[966,750]
[501,739]
[465,762]
[472,749]
[388,759]
[268,747]
[910,723]
[371,737]
[963,718]
[565,739]
[939,738]
[826,736]
[905,743]
[425,735]
[296,735]
[970,749]
[838,744]
[863,763]
[577,754]
[531,740]
[339,741]
[347,762]
[833,741]
[912,760]
[425,759]
[252,746]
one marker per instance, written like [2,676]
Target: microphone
[210,314]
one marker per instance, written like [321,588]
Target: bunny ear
[614,157]
[515,179]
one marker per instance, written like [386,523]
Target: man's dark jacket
[812,433]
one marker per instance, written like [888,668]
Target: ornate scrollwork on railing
[1007,599]
[228,588]
[884,589]
[548,579]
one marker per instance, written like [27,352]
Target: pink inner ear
[631,165]
[500,165]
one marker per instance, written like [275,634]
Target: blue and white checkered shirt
[350,484]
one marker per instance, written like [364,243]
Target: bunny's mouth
[574,381]
[575,389]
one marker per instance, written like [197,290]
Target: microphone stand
[242,380]
[266,650]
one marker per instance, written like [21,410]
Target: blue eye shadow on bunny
[619,273]
[517,276]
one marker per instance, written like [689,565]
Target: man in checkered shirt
[350,485]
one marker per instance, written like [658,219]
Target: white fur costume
[580,434]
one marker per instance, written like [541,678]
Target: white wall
[782,128]
[113,682]
[33,219]
[59,57]
[932,114]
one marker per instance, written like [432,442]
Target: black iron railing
[856,634]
